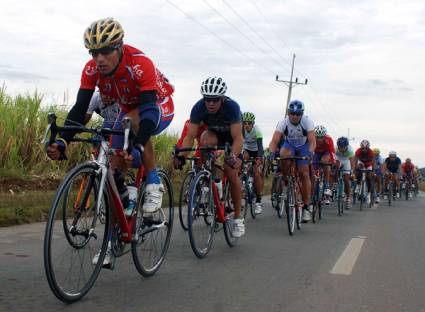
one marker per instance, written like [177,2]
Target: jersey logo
[137,71]
[90,71]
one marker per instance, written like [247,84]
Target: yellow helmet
[376,151]
[103,33]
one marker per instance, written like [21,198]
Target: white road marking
[348,258]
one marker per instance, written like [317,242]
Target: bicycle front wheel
[152,233]
[229,218]
[75,232]
[201,214]
[184,198]
[290,208]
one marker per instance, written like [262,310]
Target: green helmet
[248,116]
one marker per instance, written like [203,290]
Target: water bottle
[122,188]
[219,186]
[132,196]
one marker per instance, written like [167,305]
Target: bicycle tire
[362,195]
[251,200]
[273,195]
[280,198]
[390,194]
[183,198]
[201,205]
[152,234]
[229,215]
[85,223]
[290,208]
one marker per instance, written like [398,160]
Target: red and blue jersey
[135,73]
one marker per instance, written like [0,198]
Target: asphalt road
[372,260]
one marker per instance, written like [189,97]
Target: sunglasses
[215,100]
[103,51]
[248,123]
[295,114]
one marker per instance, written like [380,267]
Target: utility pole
[348,136]
[290,84]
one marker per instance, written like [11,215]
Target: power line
[254,31]
[264,67]
[240,32]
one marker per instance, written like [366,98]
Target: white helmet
[392,153]
[213,87]
[320,131]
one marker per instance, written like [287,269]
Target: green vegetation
[23,121]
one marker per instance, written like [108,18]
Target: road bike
[87,217]
[206,210]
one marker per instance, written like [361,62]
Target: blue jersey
[228,114]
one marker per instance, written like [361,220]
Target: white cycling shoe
[258,208]
[239,227]
[153,197]
[108,261]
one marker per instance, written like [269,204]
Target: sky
[364,60]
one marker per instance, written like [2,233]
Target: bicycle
[277,197]
[408,187]
[80,223]
[184,190]
[391,188]
[318,193]
[342,204]
[248,186]
[206,210]
[292,201]
[363,188]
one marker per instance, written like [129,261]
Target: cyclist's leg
[304,174]
[285,151]
[326,158]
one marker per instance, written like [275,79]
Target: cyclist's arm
[192,131]
[236,132]
[77,114]
[311,137]
[260,147]
[352,162]
[275,140]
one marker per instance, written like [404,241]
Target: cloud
[8,73]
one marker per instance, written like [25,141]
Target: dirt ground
[18,185]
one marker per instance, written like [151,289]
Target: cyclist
[364,158]
[179,160]
[253,148]
[300,140]
[345,162]
[392,169]
[325,153]
[223,119]
[128,77]
[408,171]
[378,173]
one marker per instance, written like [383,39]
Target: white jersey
[295,135]
[108,112]
[250,139]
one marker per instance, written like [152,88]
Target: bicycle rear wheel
[184,198]
[74,234]
[201,216]
[290,208]
[390,193]
[152,232]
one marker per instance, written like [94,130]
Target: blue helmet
[342,142]
[296,107]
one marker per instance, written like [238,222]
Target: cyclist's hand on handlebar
[233,161]
[179,162]
[56,151]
